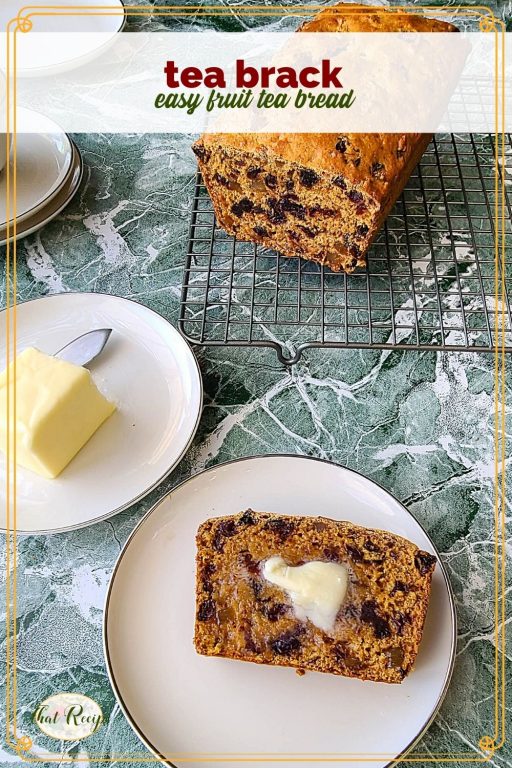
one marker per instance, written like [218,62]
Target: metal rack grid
[429,284]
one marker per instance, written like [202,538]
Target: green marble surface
[421,424]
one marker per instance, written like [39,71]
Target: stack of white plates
[48,174]
[48,164]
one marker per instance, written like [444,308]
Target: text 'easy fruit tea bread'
[322,197]
[311,593]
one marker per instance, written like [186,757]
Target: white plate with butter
[147,370]
[185,706]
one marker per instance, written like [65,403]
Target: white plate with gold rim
[189,709]
[148,370]
[97,21]
[44,162]
[44,214]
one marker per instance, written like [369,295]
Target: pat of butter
[58,408]
[316,589]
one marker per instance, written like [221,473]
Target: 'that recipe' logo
[68,716]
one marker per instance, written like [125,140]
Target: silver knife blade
[84,349]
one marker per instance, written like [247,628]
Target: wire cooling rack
[429,284]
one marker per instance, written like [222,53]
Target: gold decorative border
[23,23]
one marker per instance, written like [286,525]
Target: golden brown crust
[240,615]
[349,17]
[352,180]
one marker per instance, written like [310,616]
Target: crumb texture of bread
[241,615]
[322,197]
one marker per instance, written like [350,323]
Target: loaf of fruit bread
[322,197]
[310,593]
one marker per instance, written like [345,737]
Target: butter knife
[86,348]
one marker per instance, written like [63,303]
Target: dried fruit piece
[244,205]
[399,621]
[355,196]
[424,562]
[253,171]
[341,144]
[396,657]
[250,645]
[282,527]
[377,171]
[308,178]
[343,655]
[249,563]
[248,516]
[287,643]
[275,611]
[226,529]
[370,616]
[206,610]
[290,206]
[201,152]
[400,586]
[355,553]
[222,180]
[275,212]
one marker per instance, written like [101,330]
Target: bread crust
[240,615]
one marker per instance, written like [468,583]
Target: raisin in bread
[322,197]
[240,614]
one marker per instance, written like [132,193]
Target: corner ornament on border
[487,24]
[23,744]
[23,24]
[488,746]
